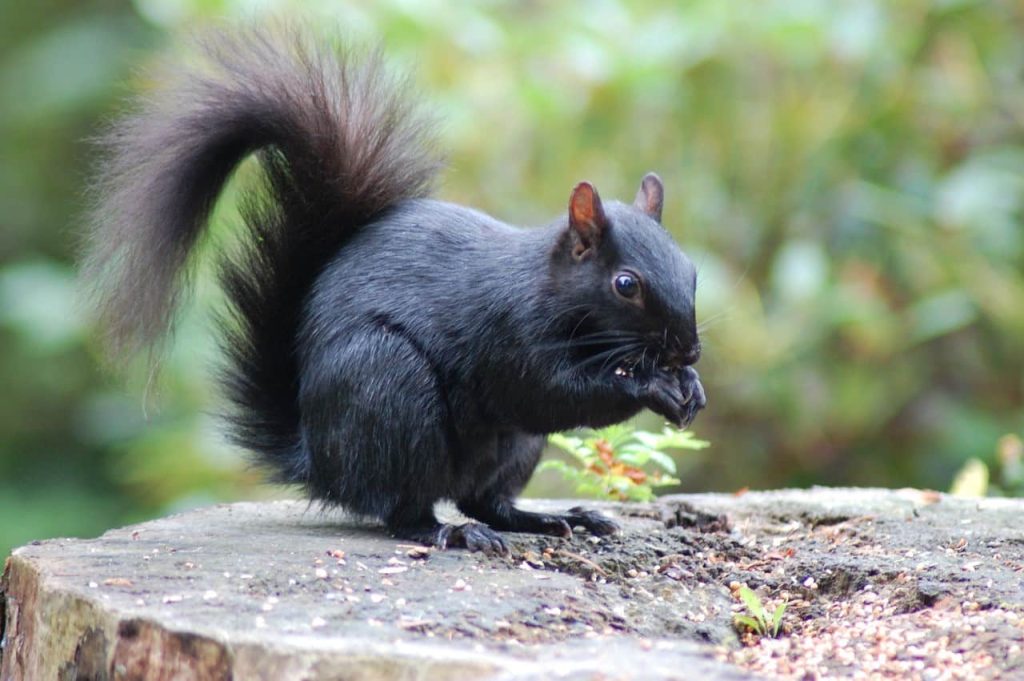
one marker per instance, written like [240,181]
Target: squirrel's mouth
[624,371]
[640,364]
[657,359]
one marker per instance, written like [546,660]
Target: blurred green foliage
[978,478]
[849,176]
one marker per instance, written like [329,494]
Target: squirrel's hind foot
[472,536]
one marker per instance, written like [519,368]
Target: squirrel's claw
[695,397]
[594,522]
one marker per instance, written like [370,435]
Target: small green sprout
[759,620]
[620,462]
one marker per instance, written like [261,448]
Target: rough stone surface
[282,591]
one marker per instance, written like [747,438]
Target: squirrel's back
[339,141]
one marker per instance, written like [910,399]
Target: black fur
[384,349]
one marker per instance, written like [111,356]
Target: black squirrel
[384,349]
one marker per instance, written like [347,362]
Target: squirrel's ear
[650,196]
[587,221]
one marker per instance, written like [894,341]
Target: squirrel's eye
[626,285]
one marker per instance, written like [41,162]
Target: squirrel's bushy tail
[339,143]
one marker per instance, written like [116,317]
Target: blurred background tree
[849,176]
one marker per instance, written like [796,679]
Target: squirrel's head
[632,288]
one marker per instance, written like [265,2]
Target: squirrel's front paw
[663,394]
[677,397]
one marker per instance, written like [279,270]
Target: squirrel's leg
[378,437]
[494,504]
[501,513]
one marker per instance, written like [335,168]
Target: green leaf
[649,440]
[640,493]
[592,489]
[664,461]
[749,623]
[615,435]
[671,438]
[565,442]
[753,603]
[555,465]
[777,618]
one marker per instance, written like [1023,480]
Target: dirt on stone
[933,589]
